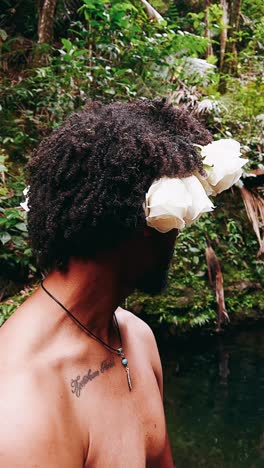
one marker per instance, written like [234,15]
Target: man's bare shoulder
[135,321]
[137,327]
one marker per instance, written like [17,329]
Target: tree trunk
[223,32]
[46,10]
[230,58]
[207,33]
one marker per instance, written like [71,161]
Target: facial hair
[154,282]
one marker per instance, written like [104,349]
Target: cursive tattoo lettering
[78,383]
[107,364]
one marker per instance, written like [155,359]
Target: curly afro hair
[89,178]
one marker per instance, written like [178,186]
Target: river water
[214,401]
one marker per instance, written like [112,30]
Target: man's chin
[153,283]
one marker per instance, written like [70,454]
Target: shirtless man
[67,400]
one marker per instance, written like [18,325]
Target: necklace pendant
[125,364]
[128,378]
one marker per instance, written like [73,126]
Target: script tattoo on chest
[79,382]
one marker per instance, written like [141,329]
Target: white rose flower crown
[175,203]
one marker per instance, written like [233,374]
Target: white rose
[25,203]
[174,203]
[224,157]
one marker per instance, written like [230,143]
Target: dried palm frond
[217,282]
[254,204]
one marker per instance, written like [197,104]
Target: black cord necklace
[118,351]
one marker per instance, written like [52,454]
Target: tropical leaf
[217,282]
[254,204]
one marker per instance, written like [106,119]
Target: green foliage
[115,53]
[15,254]
[172,12]
[237,113]
[215,14]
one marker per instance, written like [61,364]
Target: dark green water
[214,401]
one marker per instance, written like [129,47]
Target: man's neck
[91,291]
